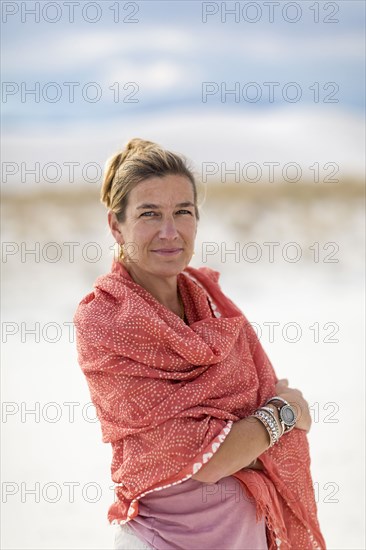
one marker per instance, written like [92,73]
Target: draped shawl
[167,394]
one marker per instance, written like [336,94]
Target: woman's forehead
[167,190]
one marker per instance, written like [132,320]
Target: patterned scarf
[167,394]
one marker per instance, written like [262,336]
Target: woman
[209,448]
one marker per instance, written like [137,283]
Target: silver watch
[286,413]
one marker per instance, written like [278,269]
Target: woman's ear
[115,227]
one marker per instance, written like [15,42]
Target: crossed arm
[248,439]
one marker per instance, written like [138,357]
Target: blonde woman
[209,448]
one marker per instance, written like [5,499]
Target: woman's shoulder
[202,273]
[97,304]
[211,273]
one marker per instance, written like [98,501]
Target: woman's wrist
[275,413]
[269,417]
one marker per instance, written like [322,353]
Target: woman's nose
[168,229]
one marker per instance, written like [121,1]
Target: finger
[282,382]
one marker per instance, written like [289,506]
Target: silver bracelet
[271,412]
[266,421]
[269,421]
[276,428]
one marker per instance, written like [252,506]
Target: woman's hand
[295,398]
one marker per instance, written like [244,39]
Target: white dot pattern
[167,392]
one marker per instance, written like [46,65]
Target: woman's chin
[169,269]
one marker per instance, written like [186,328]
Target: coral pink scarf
[167,395]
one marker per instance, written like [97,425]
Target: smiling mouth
[167,251]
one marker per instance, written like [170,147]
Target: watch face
[288,415]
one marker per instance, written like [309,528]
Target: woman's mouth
[167,251]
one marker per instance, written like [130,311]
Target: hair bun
[137,145]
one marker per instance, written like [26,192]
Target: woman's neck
[165,290]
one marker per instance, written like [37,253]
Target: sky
[77,73]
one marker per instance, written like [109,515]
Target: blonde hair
[138,161]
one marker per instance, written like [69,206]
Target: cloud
[73,50]
[272,46]
[157,76]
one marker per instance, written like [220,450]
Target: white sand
[331,375]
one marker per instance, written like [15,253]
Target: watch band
[287,426]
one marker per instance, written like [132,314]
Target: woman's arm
[248,439]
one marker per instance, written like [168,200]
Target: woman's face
[159,228]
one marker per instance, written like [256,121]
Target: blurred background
[266,100]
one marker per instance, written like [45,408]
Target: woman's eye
[184,212]
[147,214]
[151,213]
